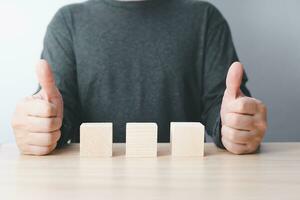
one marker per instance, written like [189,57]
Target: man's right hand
[38,118]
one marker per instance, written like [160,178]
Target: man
[142,61]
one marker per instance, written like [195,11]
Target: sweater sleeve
[219,54]
[58,51]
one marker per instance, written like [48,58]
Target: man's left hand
[244,119]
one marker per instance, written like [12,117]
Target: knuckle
[53,138]
[236,151]
[59,124]
[48,140]
[247,104]
[257,140]
[252,147]
[23,149]
[239,152]
[230,146]
[229,133]
[42,151]
[260,136]
[264,108]
[262,126]
[57,136]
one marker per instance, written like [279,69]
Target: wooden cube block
[187,139]
[96,139]
[141,139]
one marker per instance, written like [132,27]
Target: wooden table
[274,173]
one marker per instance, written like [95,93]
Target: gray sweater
[140,61]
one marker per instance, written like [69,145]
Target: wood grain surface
[273,173]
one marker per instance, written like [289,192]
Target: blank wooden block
[141,139]
[187,139]
[96,139]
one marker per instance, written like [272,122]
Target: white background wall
[266,34]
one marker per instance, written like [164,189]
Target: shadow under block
[187,139]
[141,140]
[96,139]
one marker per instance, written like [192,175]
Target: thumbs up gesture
[38,118]
[244,119]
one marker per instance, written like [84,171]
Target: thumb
[46,80]
[234,79]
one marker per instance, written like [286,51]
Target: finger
[238,136]
[262,108]
[38,150]
[43,139]
[234,148]
[40,108]
[234,79]
[46,79]
[253,146]
[43,125]
[261,116]
[239,121]
[243,105]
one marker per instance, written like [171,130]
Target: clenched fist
[38,118]
[244,119]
